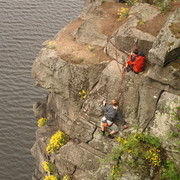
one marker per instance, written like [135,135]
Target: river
[24,26]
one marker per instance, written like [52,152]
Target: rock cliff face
[145,100]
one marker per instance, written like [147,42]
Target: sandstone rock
[82,156]
[82,129]
[39,109]
[163,118]
[139,98]
[169,75]
[145,12]
[166,48]
[87,2]
[164,125]
[128,31]
[122,57]
[89,33]
[110,79]
[58,76]
[102,143]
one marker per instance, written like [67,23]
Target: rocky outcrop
[128,32]
[166,48]
[145,100]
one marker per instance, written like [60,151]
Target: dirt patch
[110,23]
[154,26]
[72,51]
[175,29]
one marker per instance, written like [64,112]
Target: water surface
[24,26]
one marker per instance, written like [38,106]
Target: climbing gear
[136,43]
[111,136]
[105,124]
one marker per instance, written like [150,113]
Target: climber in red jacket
[136,62]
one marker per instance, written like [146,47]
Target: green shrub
[58,140]
[141,152]
[42,122]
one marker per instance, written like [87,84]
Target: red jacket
[138,63]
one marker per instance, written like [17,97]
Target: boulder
[168,75]
[89,33]
[166,48]
[122,57]
[82,129]
[128,32]
[56,75]
[102,143]
[82,157]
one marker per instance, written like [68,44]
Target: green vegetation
[42,122]
[123,13]
[80,59]
[52,45]
[66,177]
[49,167]
[140,152]
[51,170]
[58,140]
[103,1]
[51,177]
[132,2]
[170,171]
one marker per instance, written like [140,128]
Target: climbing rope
[122,71]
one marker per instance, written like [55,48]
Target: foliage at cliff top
[143,153]
[58,140]
[42,122]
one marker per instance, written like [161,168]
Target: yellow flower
[51,177]
[58,140]
[83,93]
[42,122]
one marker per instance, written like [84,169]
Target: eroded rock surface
[166,48]
[145,100]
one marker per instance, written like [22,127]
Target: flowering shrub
[52,44]
[42,122]
[123,13]
[139,151]
[51,177]
[141,21]
[90,48]
[153,156]
[83,94]
[48,167]
[66,177]
[57,141]
[132,2]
